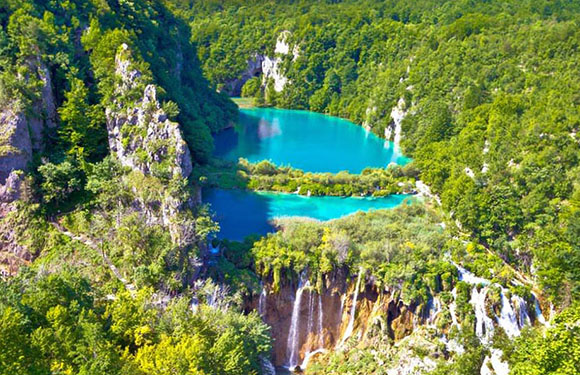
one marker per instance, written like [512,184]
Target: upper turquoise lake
[305,140]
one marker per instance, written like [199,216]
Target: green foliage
[401,248]
[62,323]
[267,176]
[489,87]
[552,350]
[59,181]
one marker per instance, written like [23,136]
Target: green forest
[111,262]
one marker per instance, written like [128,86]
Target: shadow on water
[245,139]
[239,212]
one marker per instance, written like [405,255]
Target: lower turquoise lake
[242,212]
[305,140]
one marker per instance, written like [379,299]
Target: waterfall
[468,277]
[320,335]
[350,326]
[267,366]
[398,114]
[310,328]
[498,367]
[507,318]
[484,325]
[262,302]
[511,322]
[292,348]
[434,309]
[522,306]
[453,308]
[539,315]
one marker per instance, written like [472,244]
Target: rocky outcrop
[16,145]
[140,133]
[142,137]
[254,69]
[22,131]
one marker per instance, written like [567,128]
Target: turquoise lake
[309,141]
[242,212]
[305,140]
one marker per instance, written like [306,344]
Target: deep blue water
[242,212]
[305,140]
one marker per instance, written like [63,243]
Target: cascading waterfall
[453,308]
[350,326]
[292,348]
[484,325]
[398,113]
[539,315]
[262,302]
[434,309]
[507,318]
[310,327]
[522,306]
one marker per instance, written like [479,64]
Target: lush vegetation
[489,87]
[267,176]
[62,323]
[491,101]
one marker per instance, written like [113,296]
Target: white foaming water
[434,309]
[350,326]
[523,316]
[310,326]
[539,315]
[498,367]
[484,324]
[453,308]
[507,318]
[468,277]
[398,113]
[292,349]
[262,302]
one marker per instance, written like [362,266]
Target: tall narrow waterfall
[310,328]
[483,323]
[292,348]
[262,302]
[539,315]
[507,318]
[350,326]
[398,113]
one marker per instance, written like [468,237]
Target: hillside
[112,261]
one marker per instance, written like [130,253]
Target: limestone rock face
[142,137]
[22,132]
[140,134]
[254,69]
[15,145]
[324,318]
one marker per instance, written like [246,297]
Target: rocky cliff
[22,131]
[307,324]
[143,138]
